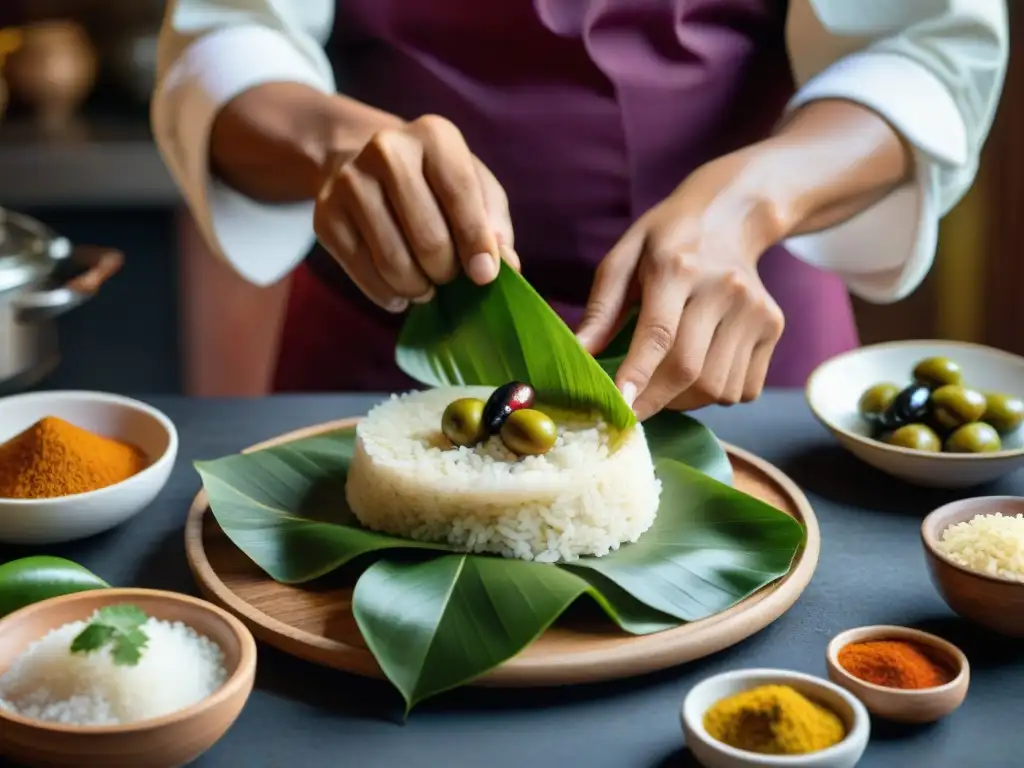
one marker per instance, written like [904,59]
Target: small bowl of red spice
[899,673]
[75,463]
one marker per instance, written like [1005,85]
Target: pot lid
[28,250]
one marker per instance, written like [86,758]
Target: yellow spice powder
[773,720]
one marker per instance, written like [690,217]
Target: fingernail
[583,335]
[397,305]
[426,297]
[629,393]
[481,268]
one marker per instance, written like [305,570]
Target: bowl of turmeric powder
[752,718]
[899,673]
[75,463]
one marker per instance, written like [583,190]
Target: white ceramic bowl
[50,521]
[714,754]
[837,384]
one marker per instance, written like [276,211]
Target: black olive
[505,400]
[909,406]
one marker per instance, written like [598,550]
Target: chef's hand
[707,327]
[409,210]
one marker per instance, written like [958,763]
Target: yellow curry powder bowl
[712,753]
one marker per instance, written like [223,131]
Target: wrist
[274,142]
[344,128]
[751,199]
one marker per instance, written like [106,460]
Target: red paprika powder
[894,664]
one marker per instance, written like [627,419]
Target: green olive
[952,406]
[1004,412]
[978,437]
[463,419]
[917,437]
[876,400]
[935,372]
[529,432]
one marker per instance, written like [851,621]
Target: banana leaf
[31,579]
[505,332]
[435,619]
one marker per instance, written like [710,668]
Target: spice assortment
[938,412]
[773,720]
[55,458]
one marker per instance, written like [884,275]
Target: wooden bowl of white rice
[83,710]
[975,553]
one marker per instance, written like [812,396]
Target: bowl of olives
[935,413]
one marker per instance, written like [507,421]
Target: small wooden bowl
[991,601]
[924,705]
[164,742]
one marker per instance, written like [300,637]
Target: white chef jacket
[933,69]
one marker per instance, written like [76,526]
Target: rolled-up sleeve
[211,52]
[935,72]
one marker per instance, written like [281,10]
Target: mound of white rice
[584,497]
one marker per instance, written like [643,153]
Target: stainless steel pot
[42,276]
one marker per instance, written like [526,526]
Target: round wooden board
[317,624]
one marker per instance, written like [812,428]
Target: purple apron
[588,112]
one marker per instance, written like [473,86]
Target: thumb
[609,294]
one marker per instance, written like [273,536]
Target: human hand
[409,210]
[707,326]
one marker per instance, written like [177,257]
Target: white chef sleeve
[937,81]
[211,52]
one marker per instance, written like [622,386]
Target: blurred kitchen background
[76,153]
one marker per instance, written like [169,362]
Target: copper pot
[53,70]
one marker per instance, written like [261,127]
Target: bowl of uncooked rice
[129,677]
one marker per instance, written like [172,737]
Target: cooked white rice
[584,497]
[990,544]
[47,682]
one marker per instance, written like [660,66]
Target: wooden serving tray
[316,623]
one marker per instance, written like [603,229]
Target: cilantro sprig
[118,626]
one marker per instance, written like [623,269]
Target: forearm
[272,142]
[832,160]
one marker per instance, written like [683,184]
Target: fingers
[661,307]
[682,368]
[510,257]
[496,206]
[395,159]
[610,292]
[757,371]
[365,202]
[736,379]
[450,170]
[341,239]
[412,209]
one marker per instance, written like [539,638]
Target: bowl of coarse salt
[975,554]
[134,678]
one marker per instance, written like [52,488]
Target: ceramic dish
[49,521]
[173,740]
[714,754]
[917,706]
[835,387]
[991,601]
